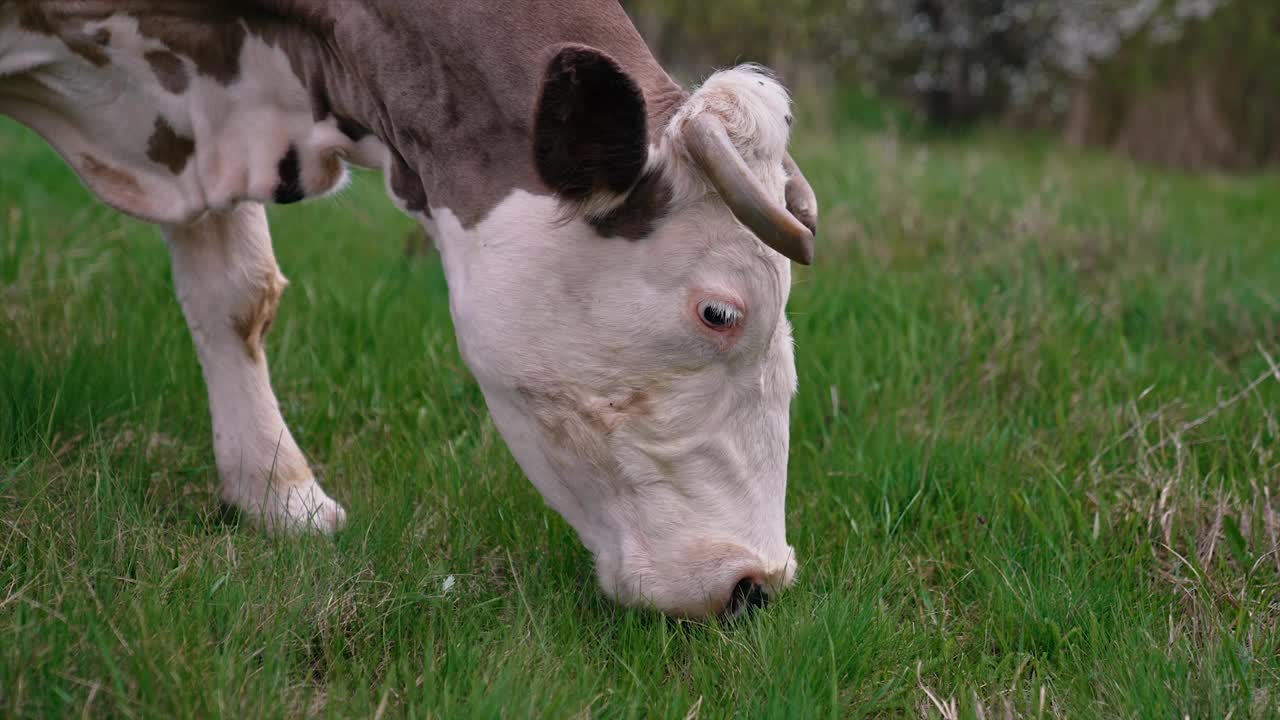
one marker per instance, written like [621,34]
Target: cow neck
[451,88]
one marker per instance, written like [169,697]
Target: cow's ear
[590,134]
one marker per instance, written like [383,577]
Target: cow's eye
[719,315]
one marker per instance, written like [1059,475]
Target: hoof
[291,510]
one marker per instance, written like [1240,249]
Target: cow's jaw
[666,451]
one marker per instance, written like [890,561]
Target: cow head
[630,333]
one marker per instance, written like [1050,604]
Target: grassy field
[1035,468]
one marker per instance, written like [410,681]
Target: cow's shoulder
[165,114]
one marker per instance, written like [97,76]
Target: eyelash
[719,315]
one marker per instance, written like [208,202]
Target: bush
[1204,97]
[1108,69]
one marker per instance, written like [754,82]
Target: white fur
[683,496]
[754,109]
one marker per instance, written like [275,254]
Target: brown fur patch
[638,403]
[581,424]
[169,70]
[570,423]
[206,33]
[548,408]
[567,418]
[253,324]
[334,171]
[169,148]
[635,218]
[469,104]
[89,47]
[32,19]
[92,48]
[93,53]
[406,185]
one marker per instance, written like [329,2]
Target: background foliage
[1184,82]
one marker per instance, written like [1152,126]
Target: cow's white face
[644,384]
[644,387]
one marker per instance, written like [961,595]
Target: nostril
[748,595]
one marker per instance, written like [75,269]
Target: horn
[801,200]
[711,149]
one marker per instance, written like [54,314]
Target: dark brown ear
[590,134]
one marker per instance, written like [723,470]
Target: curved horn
[711,149]
[801,200]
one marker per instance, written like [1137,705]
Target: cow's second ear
[590,134]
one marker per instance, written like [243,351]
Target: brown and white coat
[612,242]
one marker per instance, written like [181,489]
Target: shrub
[1115,72]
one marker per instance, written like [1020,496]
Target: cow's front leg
[228,282]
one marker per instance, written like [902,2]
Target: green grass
[1032,471]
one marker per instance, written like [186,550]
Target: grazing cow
[616,247]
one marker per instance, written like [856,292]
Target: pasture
[1035,467]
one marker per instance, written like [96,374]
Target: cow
[617,248]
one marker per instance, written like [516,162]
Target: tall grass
[1034,468]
